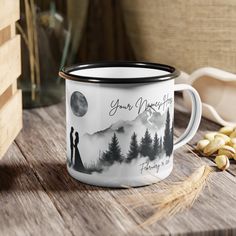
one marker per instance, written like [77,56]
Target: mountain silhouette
[124,129]
[148,119]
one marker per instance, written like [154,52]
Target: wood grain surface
[38,197]
[9,12]
[10,62]
[10,67]
[10,111]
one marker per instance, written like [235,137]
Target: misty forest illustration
[151,147]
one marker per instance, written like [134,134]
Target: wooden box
[10,69]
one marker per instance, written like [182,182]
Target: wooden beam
[9,92]
[5,34]
[10,121]
[10,62]
[9,12]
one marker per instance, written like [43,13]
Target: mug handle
[195,115]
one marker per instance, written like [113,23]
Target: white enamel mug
[119,118]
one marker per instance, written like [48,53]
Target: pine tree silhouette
[146,145]
[168,138]
[155,147]
[106,159]
[113,154]
[161,145]
[133,148]
[171,136]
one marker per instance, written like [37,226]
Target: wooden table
[38,197]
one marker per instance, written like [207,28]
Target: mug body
[119,123]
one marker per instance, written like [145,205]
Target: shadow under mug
[119,118]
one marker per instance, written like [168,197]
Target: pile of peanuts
[221,145]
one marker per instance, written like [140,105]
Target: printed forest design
[149,146]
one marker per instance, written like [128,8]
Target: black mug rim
[65,72]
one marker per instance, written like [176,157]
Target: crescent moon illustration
[78,104]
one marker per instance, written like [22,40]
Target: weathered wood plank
[25,209]
[87,209]
[9,12]
[10,119]
[10,62]
[5,34]
[8,93]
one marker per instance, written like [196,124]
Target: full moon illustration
[78,104]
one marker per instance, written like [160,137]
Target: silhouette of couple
[75,159]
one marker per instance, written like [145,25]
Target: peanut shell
[222,162]
[214,146]
[227,151]
[233,134]
[210,136]
[227,130]
[202,144]
[225,137]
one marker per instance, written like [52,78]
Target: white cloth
[217,89]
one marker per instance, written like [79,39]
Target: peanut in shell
[202,144]
[222,162]
[227,130]
[227,151]
[225,137]
[214,146]
[210,136]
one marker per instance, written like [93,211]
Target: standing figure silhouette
[71,146]
[78,164]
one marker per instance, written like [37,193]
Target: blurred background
[186,34]
[57,33]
